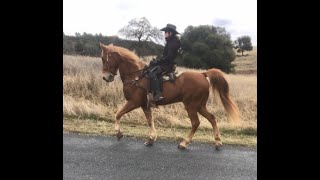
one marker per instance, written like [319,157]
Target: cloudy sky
[107,17]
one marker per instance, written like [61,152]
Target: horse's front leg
[129,106]
[152,132]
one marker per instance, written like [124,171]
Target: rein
[114,74]
[135,80]
[134,72]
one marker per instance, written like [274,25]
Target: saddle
[169,76]
[164,77]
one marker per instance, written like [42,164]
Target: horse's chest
[132,93]
[127,93]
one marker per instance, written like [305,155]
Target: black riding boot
[155,84]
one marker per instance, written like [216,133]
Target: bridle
[134,81]
[112,74]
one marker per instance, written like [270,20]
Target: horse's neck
[127,70]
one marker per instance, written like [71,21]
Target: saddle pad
[166,77]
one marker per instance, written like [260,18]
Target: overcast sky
[107,17]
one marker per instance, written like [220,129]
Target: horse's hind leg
[153,134]
[129,106]
[205,113]
[195,124]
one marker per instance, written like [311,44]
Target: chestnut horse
[191,88]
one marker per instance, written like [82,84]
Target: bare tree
[142,30]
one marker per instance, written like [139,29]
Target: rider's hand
[153,62]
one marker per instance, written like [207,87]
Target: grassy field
[90,104]
[246,64]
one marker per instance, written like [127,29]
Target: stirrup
[158,97]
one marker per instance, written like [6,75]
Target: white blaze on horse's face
[106,74]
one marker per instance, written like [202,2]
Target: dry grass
[89,126]
[246,64]
[87,96]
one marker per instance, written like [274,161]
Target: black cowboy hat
[171,28]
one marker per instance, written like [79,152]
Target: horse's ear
[101,45]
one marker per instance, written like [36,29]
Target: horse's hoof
[149,142]
[218,146]
[181,147]
[119,135]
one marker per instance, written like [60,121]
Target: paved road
[100,157]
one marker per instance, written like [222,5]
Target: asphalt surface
[101,157]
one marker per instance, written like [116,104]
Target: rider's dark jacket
[170,53]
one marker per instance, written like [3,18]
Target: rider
[166,62]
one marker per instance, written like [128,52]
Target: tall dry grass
[86,95]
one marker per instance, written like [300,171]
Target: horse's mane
[125,53]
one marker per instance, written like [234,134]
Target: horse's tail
[220,86]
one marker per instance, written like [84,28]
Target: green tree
[141,30]
[89,45]
[206,47]
[242,44]
[78,47]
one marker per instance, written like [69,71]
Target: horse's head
[110,62]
